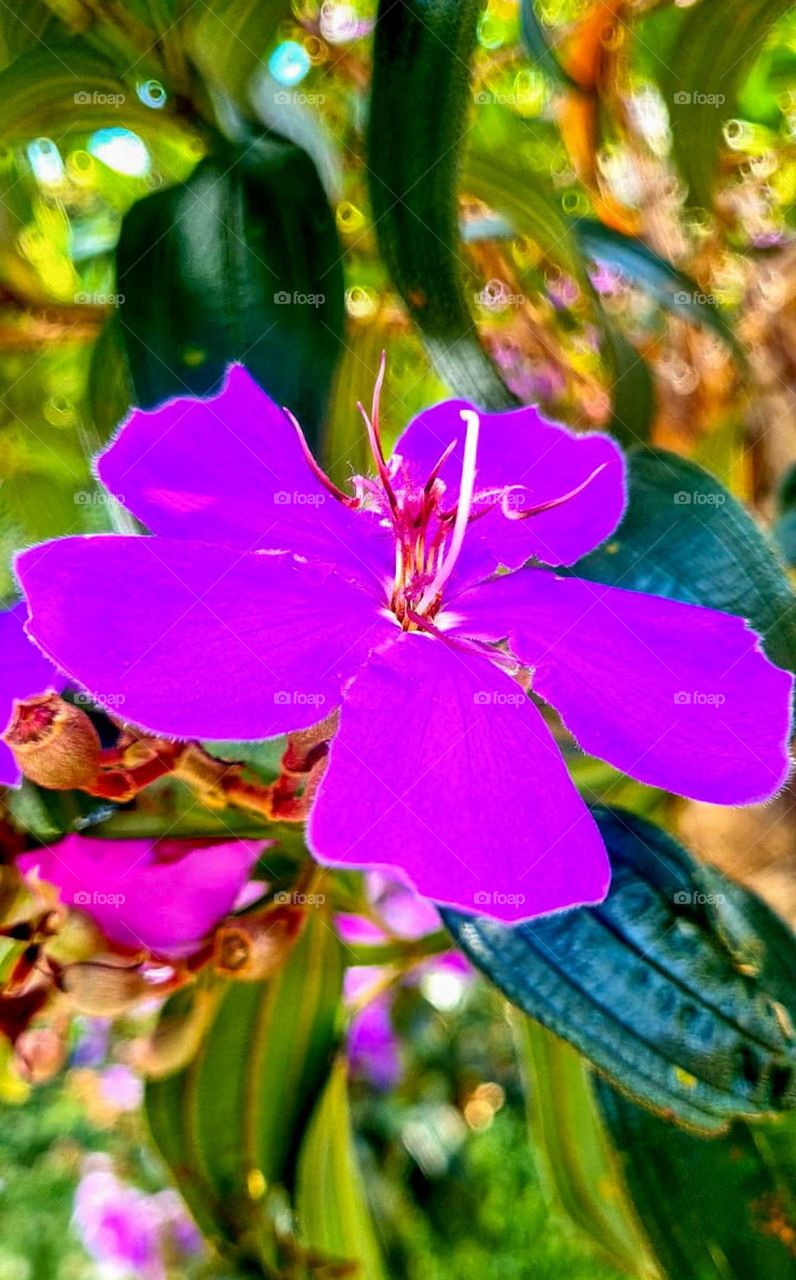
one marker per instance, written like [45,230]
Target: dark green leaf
[686,537]
[241,262]
[676,987]
[229,1126]
[716,47]
[717,1209]
[420,99]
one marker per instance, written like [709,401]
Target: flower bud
[39,1054]
[176,1038]
[54,743]
[105,988]
[252,947]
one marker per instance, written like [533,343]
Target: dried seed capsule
[54,743]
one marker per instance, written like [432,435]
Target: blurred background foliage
[583,203]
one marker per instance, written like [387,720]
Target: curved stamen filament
[317,470]
[473,422]
[553,502]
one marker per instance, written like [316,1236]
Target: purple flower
[118,1225]
[165,897]
[267,598]
[24,672]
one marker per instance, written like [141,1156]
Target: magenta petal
[196,640]
[24,672]
[165,906]
[545,461]
[231,469]
[443,771]
[678,696]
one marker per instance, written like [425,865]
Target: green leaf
[20,33]
[676,987]
[229,39]
[241,262]
[716,47]
[684,536]
[229,1125]
[537,42]
[648,270]
[420,99]
[718,1209]
[331,1204]
[578,1166]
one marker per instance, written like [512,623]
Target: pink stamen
[554,502]
[317,470]
[473,422]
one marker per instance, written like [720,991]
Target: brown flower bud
[39,1054]
[252,947]
[176,1038]
[54,743]
[105,987]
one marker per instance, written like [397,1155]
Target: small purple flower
[163,896]
[118,1225]
[268,597]
[24,673]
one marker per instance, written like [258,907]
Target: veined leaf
[331,1205]
[578,1166]
[229,1125]
[718,1209]
[420,98]
[247,255]
[716,47]
[676,987]
[686,537]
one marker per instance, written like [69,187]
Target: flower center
[427,528]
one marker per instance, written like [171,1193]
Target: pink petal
[444,772]
[678,696]
[138,901]
[230,468]
[195,640]
[546,461]
[24,672]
